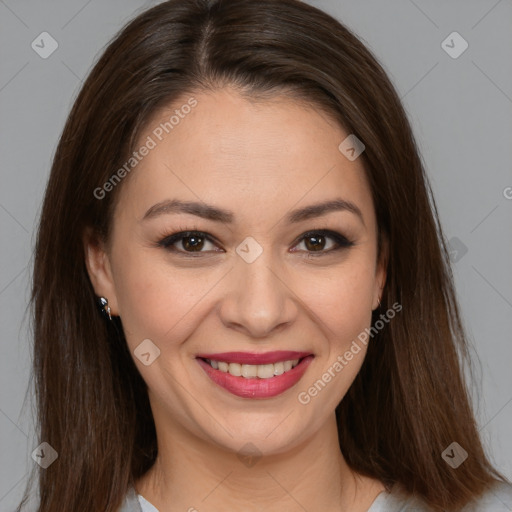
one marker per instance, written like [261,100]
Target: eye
[195,241]
[316,241]
[191,242]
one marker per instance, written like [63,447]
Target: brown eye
[191,242]
[316,242]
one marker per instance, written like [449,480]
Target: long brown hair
[408,402]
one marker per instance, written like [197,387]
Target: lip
[257,388]
[255,358]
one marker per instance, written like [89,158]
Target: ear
[99,269]
[381,271]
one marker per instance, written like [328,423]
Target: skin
[260,160]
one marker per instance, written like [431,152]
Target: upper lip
[255,358]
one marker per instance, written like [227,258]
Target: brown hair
[409,400]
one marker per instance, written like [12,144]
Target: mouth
[251,371]
[255,375]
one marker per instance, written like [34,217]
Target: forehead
[227,149]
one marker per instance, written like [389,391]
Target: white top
[498,499]
[145,505]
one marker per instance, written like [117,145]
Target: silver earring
[105,308]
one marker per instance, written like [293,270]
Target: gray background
[461,111]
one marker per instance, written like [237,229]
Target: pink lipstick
[253,375]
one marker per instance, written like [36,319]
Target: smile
[255,375]
[250,371]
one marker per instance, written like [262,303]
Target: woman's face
[253,286]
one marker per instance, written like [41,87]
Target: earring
[105,308]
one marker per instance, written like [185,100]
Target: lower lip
[257,388]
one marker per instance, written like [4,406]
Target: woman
[279,328]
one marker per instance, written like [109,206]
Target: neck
[194,475]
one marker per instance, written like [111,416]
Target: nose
[258,301]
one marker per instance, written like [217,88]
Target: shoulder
[134,502]
[497,499]
[131,502]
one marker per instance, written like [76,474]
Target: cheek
[156,300]
[341,300]
[162,302]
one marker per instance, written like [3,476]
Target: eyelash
[168,241]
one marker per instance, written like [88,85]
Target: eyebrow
[214,213]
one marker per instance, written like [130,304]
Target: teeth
[265,371]
[251,371]
[278,368]
[235,369]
